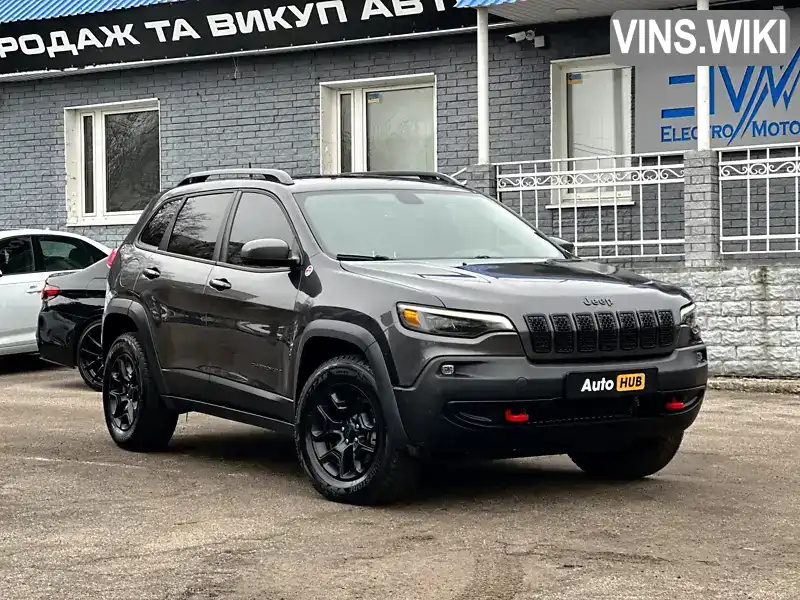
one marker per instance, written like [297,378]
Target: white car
[27,258]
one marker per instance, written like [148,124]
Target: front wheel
[643,459]
[342,439]
[135,414]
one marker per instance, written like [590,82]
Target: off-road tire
[154,424]
[393,473]
[641,460]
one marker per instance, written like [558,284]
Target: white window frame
[330,116]
[75,166]
[559,130]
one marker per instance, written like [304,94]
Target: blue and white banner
[750,105]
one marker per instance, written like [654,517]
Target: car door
[175,254]
[20,295]
[251,313]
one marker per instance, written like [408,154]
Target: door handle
[151,273]
[34,289]
[220,284]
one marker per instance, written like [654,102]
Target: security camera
[521,36]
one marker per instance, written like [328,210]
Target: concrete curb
[764,386]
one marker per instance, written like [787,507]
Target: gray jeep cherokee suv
[382,319]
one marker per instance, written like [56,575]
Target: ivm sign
[749,105]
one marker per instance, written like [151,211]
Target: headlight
[452,323]
[688,314]
[689,319]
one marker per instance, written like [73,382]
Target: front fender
[376,356]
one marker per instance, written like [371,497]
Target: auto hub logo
[625,382]
[748,106]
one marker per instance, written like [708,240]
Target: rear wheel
[89,356]
[643,459]
[342,439]
[135,415]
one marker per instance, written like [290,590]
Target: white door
[20,295]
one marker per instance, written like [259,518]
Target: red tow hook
[674,404]
[512,417]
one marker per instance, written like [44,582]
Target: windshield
[405,224]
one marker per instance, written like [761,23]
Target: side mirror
[566,246]
[268,253]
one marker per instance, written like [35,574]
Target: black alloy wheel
[343,433]
[342,438]
[124,393]
[90,356]
[136,416]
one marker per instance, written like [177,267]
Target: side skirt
[182,405]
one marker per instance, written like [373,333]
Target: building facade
[597,153]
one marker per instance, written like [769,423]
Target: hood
[543,285]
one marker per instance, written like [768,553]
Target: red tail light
[111,257]
[49,291]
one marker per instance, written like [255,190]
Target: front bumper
[476,410]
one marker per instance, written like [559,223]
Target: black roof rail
[430,176]
[275,175]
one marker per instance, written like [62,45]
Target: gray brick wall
[265,111]
[750,317]
[701,208]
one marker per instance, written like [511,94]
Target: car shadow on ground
[254,451]
[259,452]
[16,365]
[531,478]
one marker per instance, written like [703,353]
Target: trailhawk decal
[628,382]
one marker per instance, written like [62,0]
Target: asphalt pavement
[227,513]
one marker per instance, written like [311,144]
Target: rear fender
[136,313]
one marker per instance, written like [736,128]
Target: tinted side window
[198,225]
[258,216]
[154,231]
[64,254]
[16,256]
[95,254]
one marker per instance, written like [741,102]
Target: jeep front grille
[602,332]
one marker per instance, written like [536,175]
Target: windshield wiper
[361,257]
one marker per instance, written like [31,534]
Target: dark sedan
[70,321]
